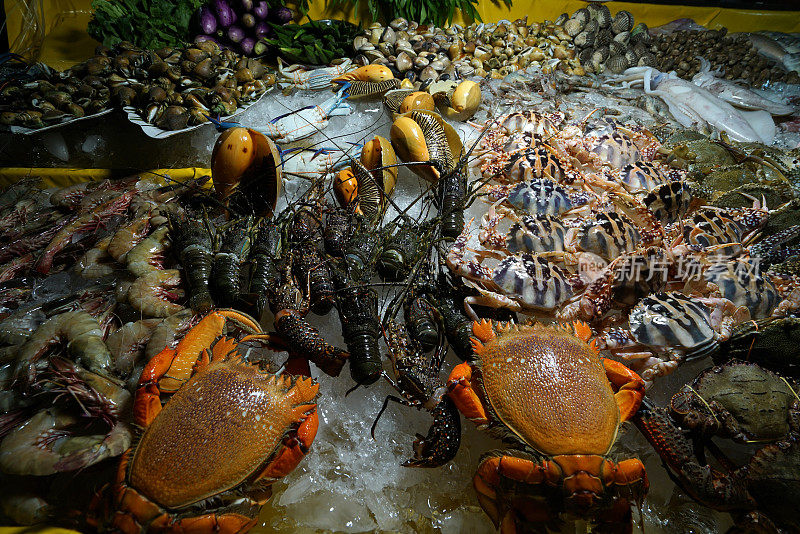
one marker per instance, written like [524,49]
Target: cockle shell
[615,48]
[601,14]
[573,27]
[623,37]
[617,63]
[623,22]
[640,34]
[585,39]
[604,37]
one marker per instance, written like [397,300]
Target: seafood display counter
[523,275]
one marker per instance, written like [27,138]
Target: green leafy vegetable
[315,42]
[437,12]
[149,24]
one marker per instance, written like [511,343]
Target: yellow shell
[367,73]
[233,154]
[417,100]
[247,161]
[410,145]
[464,101]
[345,187]
[378,152]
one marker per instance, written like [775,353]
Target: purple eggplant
[247,5]
[206,20]
[261,9]
[235,34]
[248,20]
[262,29]
[225,15]
[247,44]
[282,15]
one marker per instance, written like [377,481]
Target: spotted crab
[208,457]
[547,391]
[748,404]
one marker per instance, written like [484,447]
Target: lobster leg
[443,439]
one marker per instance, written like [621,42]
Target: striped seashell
[361,89]
[600,55]
[394,98]
[641,49]
[573,27]
[604,37]
[562,18]
[615,48]
[647,60]
[582,15]
[623,22]
[617,63]
[624,38]
[640,34]
[592,26]
[631,56]
[585,56]
[584,39]
[601,14]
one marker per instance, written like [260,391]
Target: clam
[623,22]
[428,74]
[388,36]
[617,63]
[574,26]
[399,24]
[585,39]
[623,37]
[403,61]
[421,61]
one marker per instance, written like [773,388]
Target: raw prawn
[87,222]
[127,237]
[148,294]
[146,257]
[83,334]
[43,445]
[89,265]
[166,332]
[127,344]
[9,270]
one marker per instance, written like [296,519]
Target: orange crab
[548,391]
[208,457]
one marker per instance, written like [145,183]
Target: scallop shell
[582,15]
[585,39]
[573,27]
[604,37]
[617,63]
[623,22]
[616,48]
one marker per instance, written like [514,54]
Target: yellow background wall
[67,43]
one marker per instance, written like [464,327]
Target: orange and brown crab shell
[549,388]
[228,427]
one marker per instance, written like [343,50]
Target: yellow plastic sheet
[36,530]
[54,177]
[67,42]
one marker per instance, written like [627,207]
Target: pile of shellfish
[733,55]
[171,88]
[426,54]
[607,43]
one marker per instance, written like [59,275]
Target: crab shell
[457,102]
[367,73]
[575,414]
[411,143]
[247,161]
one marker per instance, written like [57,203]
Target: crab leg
[629,387]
